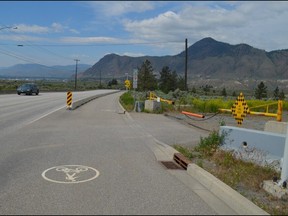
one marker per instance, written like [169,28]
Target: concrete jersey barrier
[80,102]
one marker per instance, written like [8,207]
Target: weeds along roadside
[244,177]
[185,101]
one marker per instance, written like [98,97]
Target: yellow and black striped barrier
[69,100]
[240,109]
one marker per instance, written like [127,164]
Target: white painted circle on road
[70,174]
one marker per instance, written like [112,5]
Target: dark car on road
[28,89]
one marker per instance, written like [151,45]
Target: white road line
[45,115]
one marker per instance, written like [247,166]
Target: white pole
[284,171]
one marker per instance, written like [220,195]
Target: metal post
[76,73]
[280,110]
[100,85]
[126,79]
[284,171]
[186,63]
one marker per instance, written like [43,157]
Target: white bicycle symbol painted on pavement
[72,174]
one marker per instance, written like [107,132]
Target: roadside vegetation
[188,101]
[245,177]
[10,86]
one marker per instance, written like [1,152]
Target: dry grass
[244,177]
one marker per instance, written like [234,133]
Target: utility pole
[186,63]
[76,73]
[100,86]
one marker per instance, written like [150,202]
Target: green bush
[210,144]
[211,105]
[127,101]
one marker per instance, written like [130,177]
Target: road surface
[92,160]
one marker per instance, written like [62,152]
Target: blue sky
[57,32]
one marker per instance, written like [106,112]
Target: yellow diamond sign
[240,109]
[127,84]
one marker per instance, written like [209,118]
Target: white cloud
[22,28]
[89,40]
[117,8]
[57,27]
[36,29]
[255,23]
[133,54]
[20,38]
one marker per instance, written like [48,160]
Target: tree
[206,88]
[261,91]
[146,79]
[181,83]
[112,82]
[276,93]
[168,80]
[223,92]
[174,81]
[193,89]
[165,79]
[281,95]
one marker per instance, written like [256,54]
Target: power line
[30,44]
[105,44]
[27,60]
[5,52]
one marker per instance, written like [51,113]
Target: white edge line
[45,115]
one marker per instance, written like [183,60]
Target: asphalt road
[92,160]
[17,111]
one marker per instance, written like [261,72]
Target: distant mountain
[116,66]
[41,71]
[208,60]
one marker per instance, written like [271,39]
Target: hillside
[208,61]
[38,71]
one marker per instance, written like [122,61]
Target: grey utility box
[152,105]
[139,106]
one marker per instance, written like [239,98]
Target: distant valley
[210,62]
[37,71]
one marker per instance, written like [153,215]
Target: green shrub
[127,101]
[210,144]
[184,150]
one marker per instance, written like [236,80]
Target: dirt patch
[213,121]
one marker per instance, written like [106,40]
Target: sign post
[135,79]
[284,170]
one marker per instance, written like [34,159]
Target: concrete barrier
[152,105]
[276,127]
[80,102]
[261,147]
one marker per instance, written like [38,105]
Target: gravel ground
[212,122]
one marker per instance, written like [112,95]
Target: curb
[240,204]
[232,198]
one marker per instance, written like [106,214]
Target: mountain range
[209,62]
[37,71]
